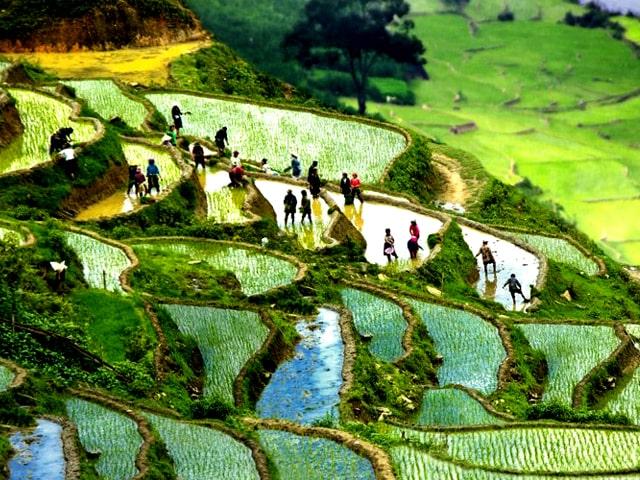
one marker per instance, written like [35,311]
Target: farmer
[140,179]
[314,164]
[68,156]
[290,204]
[414,231]
[487,257]
[236,174]
[515,287]
[197,153]
[60,140]
[170,139]
[413,247]
[153,176]
[305,207]
[345,186]
[266,168]
[176,115]
[389,248]
[132,178]
[221,139]
[355,187]
[314,181]
[296,168]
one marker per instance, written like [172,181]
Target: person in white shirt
[70,163]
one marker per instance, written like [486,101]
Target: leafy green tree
[355,33]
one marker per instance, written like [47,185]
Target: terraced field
[102,264]
[472,351]
[42,116]
[263,132]
[107,100]
[571,352]
[313,458]
[450,406]
[256,272]
[6,377]
[38,453]
[224,204]
[199,452]
[110,435]
[227,340]
[378,319]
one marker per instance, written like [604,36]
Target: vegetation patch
[6,378]
[472,352]
[224,204]
[313,458]
[227,340]
[200,452]
[452,406]
[111,436]
[571,352]
[378,321]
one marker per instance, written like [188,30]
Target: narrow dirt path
[455,190]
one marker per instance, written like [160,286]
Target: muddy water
[509,259]
[224,204]
[309,236]
[371,218]
[306,388]
[39,453]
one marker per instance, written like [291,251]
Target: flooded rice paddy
[39,453]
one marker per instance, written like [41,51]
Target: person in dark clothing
[60,140]
[197,153]
[141,188]
[345,185]
[176,115]
[132,178]
[153,176]
[389,248]
[487,257]
[515,287]
[314,182]
[314,164]
[305,207]
[413,247]
[296,168]
[221,140]
[290,204]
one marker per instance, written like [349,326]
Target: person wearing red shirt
[355,187]
[414,231]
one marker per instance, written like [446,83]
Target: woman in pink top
[414,231]
[355,187]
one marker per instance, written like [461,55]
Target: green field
[378,319]
[200,453]
[110,435]
[256,272]
[308,458]
[450,406]
[102,264]
[6,377]
[261,132]
[108,101]
[137,154]
[227,339]
[42,116]
[571,352]
[224,204]
[576,156]
[472,351]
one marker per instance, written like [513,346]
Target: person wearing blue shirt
[153,176]
[296,168]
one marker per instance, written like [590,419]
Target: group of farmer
[144,185]
[515,288]
[389,246]
[61,147]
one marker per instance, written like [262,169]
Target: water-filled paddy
[509,259]
[372,218]
[306,387]
[38,453]
[224,204]
[309,236]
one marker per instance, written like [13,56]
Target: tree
[354,33]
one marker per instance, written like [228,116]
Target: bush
[563,413]
[212,408]
[506,15]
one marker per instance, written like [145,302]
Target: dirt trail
[455,189]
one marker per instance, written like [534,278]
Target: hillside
[26,25]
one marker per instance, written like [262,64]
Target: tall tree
[355,33]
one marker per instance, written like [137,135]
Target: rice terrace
[330,239]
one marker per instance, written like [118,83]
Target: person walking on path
[487,257]
[389,248]
[176,116]
[296,167]
[153,176]
[414,231]
[132,178]
[314,182]
[515,287]
[197,153]
[290,204]
[221,140]
[68,156]
[413,247]
[314,164]
[141,189]
[305,207]
[356,185]
[345,188]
